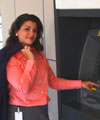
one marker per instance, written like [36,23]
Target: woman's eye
[27,29]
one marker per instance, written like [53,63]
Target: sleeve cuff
[30,64]
[78,83]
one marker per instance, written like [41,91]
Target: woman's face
[27,33]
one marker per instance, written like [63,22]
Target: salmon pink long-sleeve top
[28,80]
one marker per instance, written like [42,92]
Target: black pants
[29,113]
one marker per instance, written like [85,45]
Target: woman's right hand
[28,53]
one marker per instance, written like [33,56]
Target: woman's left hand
[88,84]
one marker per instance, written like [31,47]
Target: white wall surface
[49,28]
[53,104]
[29,6]
[78,4]
[8,15]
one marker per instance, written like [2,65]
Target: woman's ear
[16,34]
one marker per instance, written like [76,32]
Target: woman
[29,74]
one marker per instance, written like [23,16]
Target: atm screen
[90,68]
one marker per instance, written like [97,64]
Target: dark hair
[18,23]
